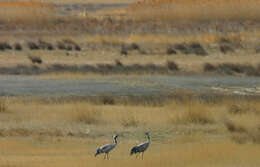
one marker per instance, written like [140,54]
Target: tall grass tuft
[87,116]
[234,127]
[119,63]
[130,122]
[3,105]
[193,113]
[244,128]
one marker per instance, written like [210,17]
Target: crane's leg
[107,156]
[142,155]
[136,154]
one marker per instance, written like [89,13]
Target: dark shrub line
[231,69]
[118,67]
[184,48]
[5,46]
[33,46]
[45,45]
[68,45]
[225,46]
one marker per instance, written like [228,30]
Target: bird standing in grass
[107,148]
[141,147]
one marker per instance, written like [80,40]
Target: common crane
[141,147]
[107,148]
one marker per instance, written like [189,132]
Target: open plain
[73,73]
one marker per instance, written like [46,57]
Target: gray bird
[107,148]
[141,147]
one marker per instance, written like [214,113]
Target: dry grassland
[27,12]
[79,153]
[186,63]
[198,10]
[187,133]
[90,1]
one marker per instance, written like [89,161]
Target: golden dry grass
[27,12]
[11,4]
[91,1]
[194,114]
[175,113]
[199,10]
[67,134]
[79,152]
[154,38]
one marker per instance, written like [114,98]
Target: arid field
[183,132]
[73,73]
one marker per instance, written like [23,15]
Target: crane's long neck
[148,139]
[115,140]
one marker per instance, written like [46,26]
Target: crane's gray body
[107,148]
[141,148]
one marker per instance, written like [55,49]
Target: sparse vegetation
[119,63]
[69,45]
[226,49]
[198,49]
[3,105]
[190,48]
[171,65]
[18,47]
[171,51]
[107,100]
[244,128]
[35,60]
[45,45]
[32,45]
[99,68]
[151,37]
[173,123]
[5,46]
[193,114]
[207,67]
[87,116]
[232,69]
[232,127]
[130,121]
[119,68]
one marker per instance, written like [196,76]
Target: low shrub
[35,59]
[171,65]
